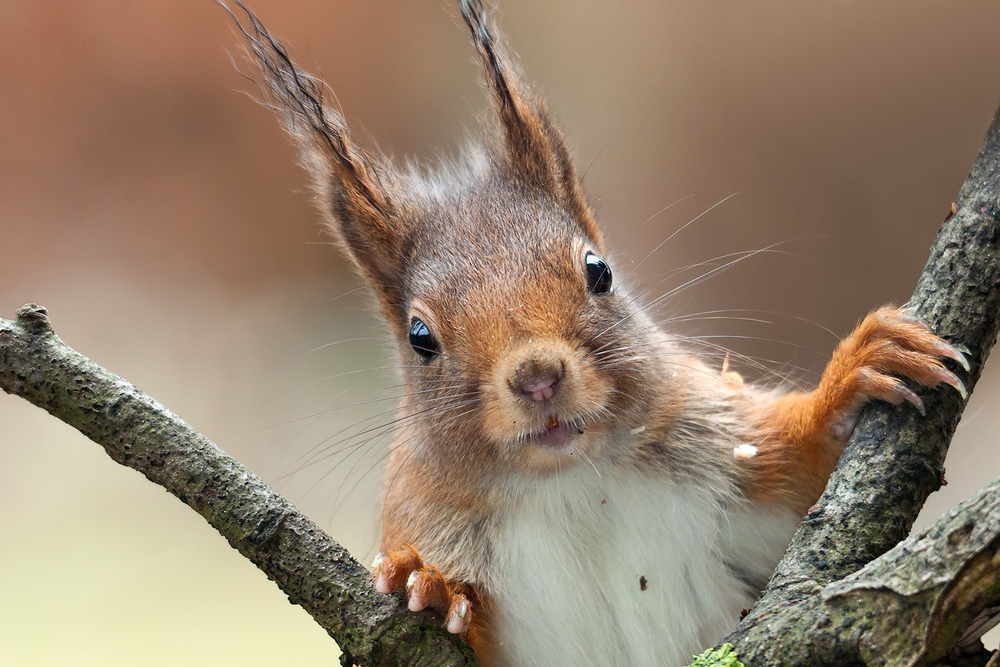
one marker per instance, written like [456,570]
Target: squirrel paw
[887,343]
[425,586]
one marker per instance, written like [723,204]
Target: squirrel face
[518,353]
[513,336]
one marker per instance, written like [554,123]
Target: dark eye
[598,274]
[423,341]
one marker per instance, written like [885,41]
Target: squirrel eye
[423,341]
[598,273]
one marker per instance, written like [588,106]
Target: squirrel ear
[355,187]
[536,149]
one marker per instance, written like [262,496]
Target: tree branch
[912,606]
[137,431]
[892,463]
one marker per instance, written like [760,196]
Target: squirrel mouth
[557,434]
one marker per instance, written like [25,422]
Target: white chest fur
[619,569]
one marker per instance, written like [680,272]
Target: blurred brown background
[158,213]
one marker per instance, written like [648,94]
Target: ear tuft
[526,140]
[536,149]
[299,98]
[356,188]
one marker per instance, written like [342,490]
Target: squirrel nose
[537,384]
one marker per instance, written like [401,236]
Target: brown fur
[799,452]
[490,256]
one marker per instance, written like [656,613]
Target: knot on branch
[34,318]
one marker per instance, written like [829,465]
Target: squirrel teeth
[553,422]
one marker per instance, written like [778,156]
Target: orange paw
[889,344]
[425,586]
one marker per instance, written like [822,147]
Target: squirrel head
[517,351]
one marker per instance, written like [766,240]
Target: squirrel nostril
[539,389]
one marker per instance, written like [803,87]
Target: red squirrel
[567,484]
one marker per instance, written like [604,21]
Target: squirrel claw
[945,349]
[380,573]
[459,615]
[425,587]
[905,393]
[416,592]
[949,378]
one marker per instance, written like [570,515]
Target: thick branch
[137,431]
[909,607]
[896,457]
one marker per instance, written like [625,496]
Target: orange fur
[804,433]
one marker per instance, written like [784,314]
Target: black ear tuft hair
[511,106]
[299,97]
[536,149]
[357,190]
